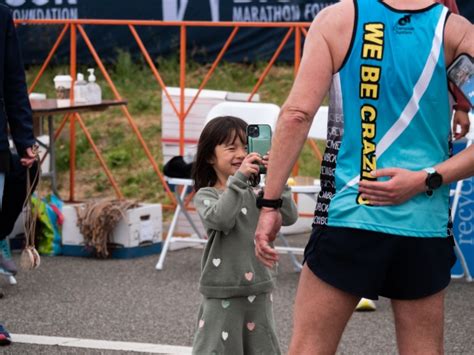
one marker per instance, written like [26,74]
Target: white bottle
[80,89]
[94,93]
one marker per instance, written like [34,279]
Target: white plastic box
[139,233]
[142,225]
[71,234]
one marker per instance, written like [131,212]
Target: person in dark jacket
[15,120]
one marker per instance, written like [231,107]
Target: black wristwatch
[262,202]
[433,181]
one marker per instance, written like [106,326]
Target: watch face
[435,180]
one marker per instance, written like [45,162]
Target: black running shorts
[371,264]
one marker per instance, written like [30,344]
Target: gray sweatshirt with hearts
[229,267]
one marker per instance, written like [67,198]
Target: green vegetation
[114,136]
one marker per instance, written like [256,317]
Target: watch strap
[262,202]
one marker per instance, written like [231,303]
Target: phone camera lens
[253,131]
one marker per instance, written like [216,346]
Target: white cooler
[138,234]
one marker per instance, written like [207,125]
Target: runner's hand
[461,119]
[268,226]
[402,185]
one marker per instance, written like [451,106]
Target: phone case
[461,73]
[260,143]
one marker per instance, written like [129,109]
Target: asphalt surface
[128,300]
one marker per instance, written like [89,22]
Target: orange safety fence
[295,32]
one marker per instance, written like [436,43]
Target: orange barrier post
[72,125]
[182,84]
[297,49]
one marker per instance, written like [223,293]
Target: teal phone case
[260,144]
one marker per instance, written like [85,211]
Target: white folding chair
[252,113]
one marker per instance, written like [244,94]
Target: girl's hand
[265,159]
[250,164]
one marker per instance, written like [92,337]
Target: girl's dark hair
[225,129]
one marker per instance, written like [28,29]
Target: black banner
[204,43]
[466,8]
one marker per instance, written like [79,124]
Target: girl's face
[227,159]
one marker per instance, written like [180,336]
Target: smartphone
[259,139]
[461,73]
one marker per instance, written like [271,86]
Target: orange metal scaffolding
[74,26]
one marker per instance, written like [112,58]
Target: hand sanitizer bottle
[94,93]
[80,89]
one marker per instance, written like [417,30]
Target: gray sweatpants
[236,326]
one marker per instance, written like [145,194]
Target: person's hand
[268,226]
[29,158]
[250,165]
[402,185]
[461,119]
[265,159]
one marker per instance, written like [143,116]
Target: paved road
[128,300]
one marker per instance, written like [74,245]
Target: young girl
[236,314]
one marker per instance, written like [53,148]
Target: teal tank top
[389,107]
